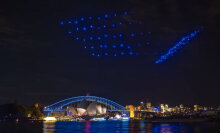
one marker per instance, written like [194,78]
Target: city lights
[50,119]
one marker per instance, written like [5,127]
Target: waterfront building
[131,108]
[166,107]
[162,108]
[198,108]
[148,104]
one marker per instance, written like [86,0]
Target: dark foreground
[109,127]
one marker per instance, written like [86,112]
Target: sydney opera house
[84,108]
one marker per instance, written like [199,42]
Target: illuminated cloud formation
[108,35]
[184,41]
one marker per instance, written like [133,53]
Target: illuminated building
[81,108]
[218,108]
[176,109]
[149,107]
[148,104]
[197,108]
[166,107]
[36,105]
[162,108]
[182,109]
[142,106]
[205,108]
[131,108]
[181,106]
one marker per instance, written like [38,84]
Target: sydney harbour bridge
[62,106]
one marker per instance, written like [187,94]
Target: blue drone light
[84,28]
[98,38]
[105,46]
[69,32]
[93,54]
[99,18]
[130,53]
[106,15]
[91,26]
[90,38]
[92,47]
[75,22]
[132,35]
[120,35]
[106,35]
[101,46]
[84,40]
[114,36]
[121,45]
[184,41]
[77,38]
[114,46]
[90,17]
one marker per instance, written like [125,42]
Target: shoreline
[146,120]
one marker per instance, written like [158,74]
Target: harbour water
[108,127]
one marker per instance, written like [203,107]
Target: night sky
[40,63]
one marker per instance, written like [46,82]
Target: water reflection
[142,126]
[125,127]
[115,126]
[108,127]
[48,127]
[170,128]
[149,127]
[87,127]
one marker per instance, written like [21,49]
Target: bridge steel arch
[58,106]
